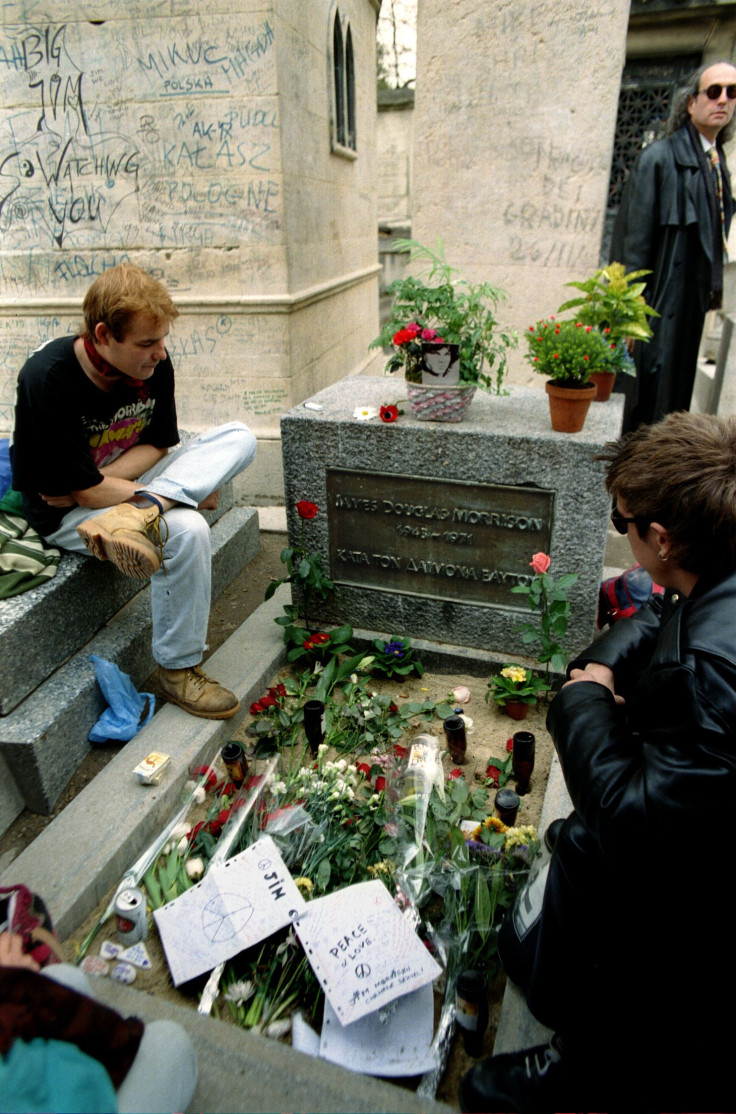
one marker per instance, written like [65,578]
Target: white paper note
[362,950]
[237,904]
[394,1040]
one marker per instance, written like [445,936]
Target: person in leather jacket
[630,959]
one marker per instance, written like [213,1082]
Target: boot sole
[129,554]
[227,714]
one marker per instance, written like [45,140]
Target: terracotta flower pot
[568,406]
[516,709]
[604,381]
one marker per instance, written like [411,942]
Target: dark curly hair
[679,115]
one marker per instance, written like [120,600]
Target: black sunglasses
[713,92]
[621,523]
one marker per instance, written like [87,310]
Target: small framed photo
[440,364]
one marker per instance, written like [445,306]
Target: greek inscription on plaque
[441,538]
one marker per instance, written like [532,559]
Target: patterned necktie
[715,163]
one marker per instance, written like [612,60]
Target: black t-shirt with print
[66,428]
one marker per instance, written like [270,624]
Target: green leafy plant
[447,309]
[303,569]
[566,351]
[613,300]
[395,658]
[548,597]
[515,684]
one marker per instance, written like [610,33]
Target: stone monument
[426,527]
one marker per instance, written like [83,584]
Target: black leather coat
[636,929]
[666,223]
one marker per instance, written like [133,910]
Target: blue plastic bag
[127,711]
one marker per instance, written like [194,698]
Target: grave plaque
[446,539]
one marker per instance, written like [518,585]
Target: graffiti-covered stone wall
[195,139]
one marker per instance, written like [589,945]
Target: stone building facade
[227,147]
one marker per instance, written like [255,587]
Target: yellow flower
[519,837]
[386,866]
[306,885]
[492,823]
[514,673]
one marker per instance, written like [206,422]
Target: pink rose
[540,563]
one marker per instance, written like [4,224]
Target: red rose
[509,745]
[209,774]
[493,774]
[226,790]
[456,773]
[388,413]
[399,751]
[268,702]
[305,509]
[256,708]
[380,784]
[278,690]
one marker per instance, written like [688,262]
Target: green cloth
[53,1076]
[25,559]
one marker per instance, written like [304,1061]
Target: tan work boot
[197,693]
[120,535]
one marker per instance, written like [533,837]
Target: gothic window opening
[343,83]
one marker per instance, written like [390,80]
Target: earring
[662,556]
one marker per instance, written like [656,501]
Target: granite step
[41,629]
[44,740]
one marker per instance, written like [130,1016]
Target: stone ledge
[44,740]
[107,826]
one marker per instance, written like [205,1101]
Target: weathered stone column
[515,115]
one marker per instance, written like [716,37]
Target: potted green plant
[613,302]
[515,689]
[566,353]
[442,309]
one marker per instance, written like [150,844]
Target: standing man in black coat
[674,220]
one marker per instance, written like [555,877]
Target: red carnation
[364,769]
[399,751]
[380,784]
[456,773]
[305,509]
[509,745]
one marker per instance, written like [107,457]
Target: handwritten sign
[394,1040]
[362,950]
[236,905]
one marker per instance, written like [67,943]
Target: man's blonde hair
[119,294]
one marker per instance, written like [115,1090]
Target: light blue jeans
[181,589]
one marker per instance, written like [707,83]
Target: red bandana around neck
[103,368]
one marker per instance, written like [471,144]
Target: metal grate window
[644,102]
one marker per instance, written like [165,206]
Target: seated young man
[93,455]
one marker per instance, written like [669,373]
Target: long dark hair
[679,115]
